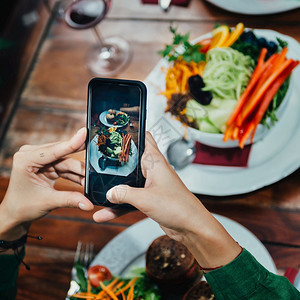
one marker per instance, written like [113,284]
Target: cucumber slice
[117,151]
[220,115]
[216,102]
[206,126]
[195,110]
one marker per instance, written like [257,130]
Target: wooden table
[52,107]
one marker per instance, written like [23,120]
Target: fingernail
[82,206]
[109,195]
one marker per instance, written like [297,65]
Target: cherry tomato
[98,273]
[205,45]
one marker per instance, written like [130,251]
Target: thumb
[71,199]
[121,194]
[108,214]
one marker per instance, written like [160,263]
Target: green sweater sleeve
[246,278]
[9,270]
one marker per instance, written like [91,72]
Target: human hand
[165,198]
[180,214]
[31,194]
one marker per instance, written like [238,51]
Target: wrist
[10,228]
[210,243]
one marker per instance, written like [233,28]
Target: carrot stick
[269,95]
[123,296]
[130,293]
[264,83]
[127,148]
[84,296]
[89,287]
[268,68]
[245,135]
[127,286]
[274,62]
[260,61]
[123,147]
[272,92]
[235,133]
[108,291]
[119,285]
[262,76]
[228,133]
[259,94]
[253,80]
[109,286]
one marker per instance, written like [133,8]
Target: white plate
[256,7]
[128,248]
[125,170]
[271,159]
[103,120]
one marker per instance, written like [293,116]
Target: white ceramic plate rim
[256,7]
[133,242]
[271,159]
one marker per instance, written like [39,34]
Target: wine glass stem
[98,37]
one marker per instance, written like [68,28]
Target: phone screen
[116,136]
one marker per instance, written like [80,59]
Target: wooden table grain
[53,106]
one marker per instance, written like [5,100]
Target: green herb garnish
[190,52]
[81,277]
[144,288]
[281,43]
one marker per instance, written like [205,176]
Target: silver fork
[84,255]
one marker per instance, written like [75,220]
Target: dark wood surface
[23,25]
[53,105]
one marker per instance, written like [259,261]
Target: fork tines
[84,253]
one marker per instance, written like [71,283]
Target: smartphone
[116,116]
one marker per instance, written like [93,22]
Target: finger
[52,153]
[71,199]
[72,177]
[150,143]
[108,214]
[26,148]
[121,194]
[152,157]
[70,164]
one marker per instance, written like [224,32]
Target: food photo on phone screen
[113,139]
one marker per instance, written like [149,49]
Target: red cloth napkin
[230,157]
[173,2]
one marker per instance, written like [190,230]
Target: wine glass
[111,54]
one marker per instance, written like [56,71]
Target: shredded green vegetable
[227,73]
[116,138]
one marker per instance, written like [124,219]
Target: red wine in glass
[111,54]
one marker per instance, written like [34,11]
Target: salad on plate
[99,283]
[228,83]
[116,118]
[114,143]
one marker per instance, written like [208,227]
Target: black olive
[272,47]
[206,97]
[196,84]
[249,37]
[262,42]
